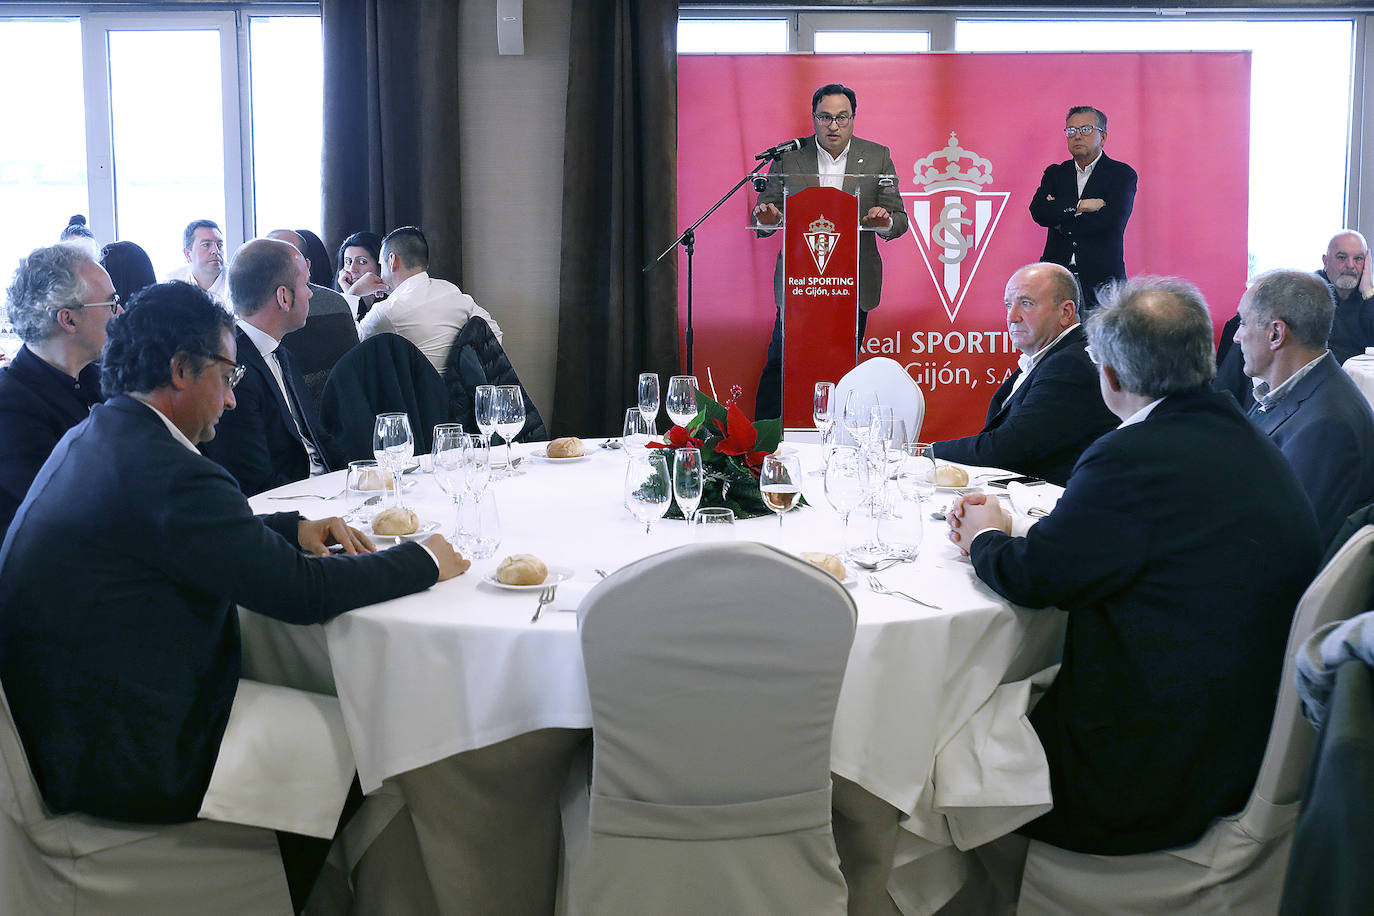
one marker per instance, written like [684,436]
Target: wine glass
[823,415]
[484,409]
[393,445]
[687,480]
[446,463]
[888,433]
[476,465]
[648,399]
[635,434]
[846,482]
[682,399]
[780,483]
[510,417]
[648,487]
[858,414]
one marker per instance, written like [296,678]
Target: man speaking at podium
[832,154]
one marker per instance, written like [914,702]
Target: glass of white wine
[780,483]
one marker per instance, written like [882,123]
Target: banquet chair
[713,672]
[476,358]
[318,345]
[84,866]
[1238,865]
[894,387]
[383,373]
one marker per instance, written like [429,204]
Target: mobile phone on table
[1003,481]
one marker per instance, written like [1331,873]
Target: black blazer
[37,405]
[257,441]
[1041,428]
[1095,238]
[384,373]
[1179,550]
[136,549]
[1325,429]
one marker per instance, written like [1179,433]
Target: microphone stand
[688,240]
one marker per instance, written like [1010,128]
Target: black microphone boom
[778,150]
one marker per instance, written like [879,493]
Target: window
[733,36]
[134,120]
[840,41]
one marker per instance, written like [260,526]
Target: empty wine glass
[780,483]
[823,415]
[510,418]
[687,481]
[393,445]
[476,465]
[888,433]
[846,482]
[682,399]
[648,487]
[446,463]
[648,399]
[635,434]
[858,414]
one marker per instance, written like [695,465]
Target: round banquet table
[460,666]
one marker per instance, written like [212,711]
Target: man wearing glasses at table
[833,153]
[1084,203]
[119,640]
[58,304]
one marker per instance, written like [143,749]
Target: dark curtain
[619,210]
[391,123]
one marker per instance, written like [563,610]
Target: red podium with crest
[820,295]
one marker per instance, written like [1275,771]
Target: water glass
[682,399]
[846,482]
[713,523]
[688,479]
[479,525]
[780,483]
[899,523]
[648,487]
[365,480]
[917,473]
[648,399]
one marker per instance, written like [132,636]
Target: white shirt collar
[1085,169]
[167,422]
[1140,414]
[1027,363]
[832,160]
[413,280]
[266,343]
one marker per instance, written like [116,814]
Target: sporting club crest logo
[954,218]
[820,239]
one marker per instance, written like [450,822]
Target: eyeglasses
[114,304]
[837,120]
[1084,131]
[236,375]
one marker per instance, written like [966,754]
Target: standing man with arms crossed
[1084,203]
[832,153]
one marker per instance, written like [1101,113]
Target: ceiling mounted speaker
[510,26]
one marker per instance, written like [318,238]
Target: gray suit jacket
[1325,429]
[867,161]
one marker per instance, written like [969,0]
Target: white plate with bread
[561,451]
[523,572]
[555,575]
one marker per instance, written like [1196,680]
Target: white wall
[512,157]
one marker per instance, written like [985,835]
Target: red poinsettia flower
[678,437]
[739,436]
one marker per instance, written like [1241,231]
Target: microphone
[778,150]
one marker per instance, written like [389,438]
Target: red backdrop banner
[1180,119]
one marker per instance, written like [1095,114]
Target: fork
[310,495]
[545,596]
[881,589]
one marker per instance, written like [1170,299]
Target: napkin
[1041,497]
[570,595]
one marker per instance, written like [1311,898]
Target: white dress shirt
[427,312]
[267,346]
[831,171]
[219,290]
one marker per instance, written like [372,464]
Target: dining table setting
[931,717]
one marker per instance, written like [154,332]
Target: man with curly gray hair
[1179,549]
[58,304]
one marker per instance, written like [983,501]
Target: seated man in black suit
[272,437]
[119,642]
[58,304]
[1084,204]
[1306,403]
[1179,550]
[1042,417]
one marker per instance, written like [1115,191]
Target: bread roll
[396,520]
[374,479]
[522,569]
[567,447]
[947,475]
[828,562]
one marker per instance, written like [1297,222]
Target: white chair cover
[1238,865]
[894,387]
[713,671]
[82,866]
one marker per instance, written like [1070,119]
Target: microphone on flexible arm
[778,150]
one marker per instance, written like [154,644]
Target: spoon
[879,565]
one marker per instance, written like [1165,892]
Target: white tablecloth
[1361,371]
[460,666]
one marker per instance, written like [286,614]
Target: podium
[816,282]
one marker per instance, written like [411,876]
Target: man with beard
[1346,267]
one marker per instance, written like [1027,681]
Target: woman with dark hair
[129,268]
[360,270]
[77,233]
[321,270]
